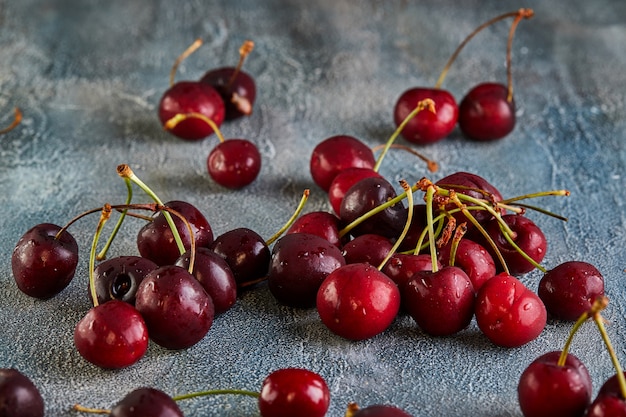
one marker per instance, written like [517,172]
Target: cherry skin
[155,240]
[238,94]
[320,223]
[569,289]
[609,402]
[118,278]
[368,248]
[19,397]
[175,306]
[485,114]
[508,313]
[417,226]
[342,182]
[335,154]
[357,301]
[146,401]
[473,259]
[376,410]
[213,272]
[234,163]
[112,335]
[43,265]
[192,97]
[300,263]
[441,302]
[426,127]
[402,267]
[546,389]
[292,392]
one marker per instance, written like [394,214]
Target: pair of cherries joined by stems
[193,110]
[486,113]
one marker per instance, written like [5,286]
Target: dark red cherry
[213,272]
[290,392]
[485,114]
[609,402]
[246,253]
[118,278]
[112,335]
[19,397]
[42,264]
[300,263]
[368,248]
[237,89]
[426,127]
[376,410]
[417,226]
[320,223]
[175,306]
[569,289]
[357,301]
[335,154]
[441,302]
[143,402]
[508,313]
[234,163]
[473,259]
[402,267]
[342,182]
[547,389]
[155,240]
[191,97]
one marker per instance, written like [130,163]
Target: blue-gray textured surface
[88,76]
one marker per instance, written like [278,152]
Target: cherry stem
[599,320]
[558,193]
[104,217]
[175,120]
[432,166]
[292,219]
[430,192]
[407,225]
[521,14]
[118,225]
[511,242]
[17,119]
[516,13]
[125,171]
[190,50]
[244,51]
[216,392]
[426,104]
[458,235]
[80,408]
[351,410]
[597,306]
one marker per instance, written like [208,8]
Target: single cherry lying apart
[292,392]
[19,397]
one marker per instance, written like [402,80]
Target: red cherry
[293,392]
[112,335]
[19,397]
[320,223]
[473,259]
[357,301]
[508,313]
[485,114]
[369,248]
[426,127]
[342,182]
[234,163]
[401,267]
[376,410]
[143,402]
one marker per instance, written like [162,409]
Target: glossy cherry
[426,127]
[213,272]
[118,278]
[234,163]
[508,313]
[292,392]
[335,154]
[112,335]
[402,267]
[342,182]
[569,289]
[547,389]
[320,223]
[300,263]
[369,248]
[376,410]
[485,114]
[19,396]
[609,402]
[186,97]
[472,258]
[175,306]
[145,401]
[42,264]
[357,301]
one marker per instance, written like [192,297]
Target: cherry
[300,263]
[485,113]
[320,223]
[549,389]
[292,392]
[376,410]
[609,402]
[508,313]
[569,289]
[342,182]
[368,248]
[426,127]
[19,397]
[237,88]
[441,302]
[155,240]
[472,258]
[146,401]
[44,262]
[112,335]
[335,154]
[357,301]
[234,163]
[246,253]
[401,268]
[118,278]
[175,306]
[418,224]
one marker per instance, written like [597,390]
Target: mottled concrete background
[88,75]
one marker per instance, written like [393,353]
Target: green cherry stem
[458,235]
[216,392]
[292,219]
[430,192]
[407,225]
[125,171]
[597,306]
[176,119]
[599,320]
[83,409]
[190,49]
[129,196]
[104,216]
